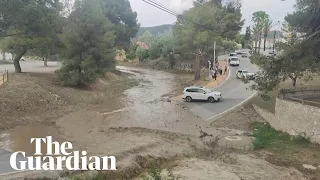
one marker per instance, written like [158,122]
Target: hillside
[154,30]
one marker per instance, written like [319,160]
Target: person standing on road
[225,70]
[215,75]
[220,69]
[212,73]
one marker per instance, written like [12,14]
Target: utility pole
[197,65]
[274,40]
[214,54]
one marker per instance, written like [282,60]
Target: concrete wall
[294,118]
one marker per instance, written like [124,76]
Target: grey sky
[151,16]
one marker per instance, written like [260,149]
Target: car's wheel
[211,100]
[188,99]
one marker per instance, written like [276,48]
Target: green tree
[142,54]
[266,28]
[200,26]
[300,57]
[259,18]
[26,24]
[124,20]
[247,36]
[89,39]
[131,52]
[147,38]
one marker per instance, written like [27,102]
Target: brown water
[145,105]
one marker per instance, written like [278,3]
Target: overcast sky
[151,16]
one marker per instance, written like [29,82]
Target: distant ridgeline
[154,30]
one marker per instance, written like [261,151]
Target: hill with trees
[155,30]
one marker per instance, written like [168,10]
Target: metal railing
[307,96]
[4,77]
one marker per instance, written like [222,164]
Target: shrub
[267,137]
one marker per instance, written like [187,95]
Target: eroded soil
[139,125]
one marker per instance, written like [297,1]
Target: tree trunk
[264,43]
[197,66]
[45,61]
[260,37]
[16,61]
[256,44]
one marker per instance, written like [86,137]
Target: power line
[163,8]
[161,5]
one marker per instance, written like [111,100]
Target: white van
[234,61]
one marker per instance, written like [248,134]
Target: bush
[267,137]
[258,60]
[157,174]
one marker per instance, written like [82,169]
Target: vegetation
[267,137]
[195,32]
[155,30]
[84,35]
[158,174]
[300,58]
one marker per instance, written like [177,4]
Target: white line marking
[229,75]
[233,107]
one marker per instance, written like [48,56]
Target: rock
[306,166]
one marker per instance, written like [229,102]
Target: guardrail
[4,77]
[302,95]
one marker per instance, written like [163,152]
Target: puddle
[18,139]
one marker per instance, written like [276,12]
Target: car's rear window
[234,59]
[192,90]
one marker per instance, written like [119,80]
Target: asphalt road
[233,90]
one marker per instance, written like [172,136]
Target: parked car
[200,93]
[239,52]
[246,74]
[232,55]
[234,61]
[244,55]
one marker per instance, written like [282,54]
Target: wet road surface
[146,105]
[233,91]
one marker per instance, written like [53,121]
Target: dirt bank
[140,126]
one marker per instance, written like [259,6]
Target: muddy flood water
[144,106]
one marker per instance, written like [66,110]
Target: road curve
[234,93]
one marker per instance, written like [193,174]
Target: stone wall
[294,118]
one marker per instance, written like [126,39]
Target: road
[234,92]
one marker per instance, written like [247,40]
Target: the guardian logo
[63,156]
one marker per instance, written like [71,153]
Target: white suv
[234,61]
[199,93]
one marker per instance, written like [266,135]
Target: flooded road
[146,106]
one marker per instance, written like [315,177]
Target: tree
[200,26]
[147,38]
[124,20]
[25,24]
[142,53]
[300,55]
[247,36]
[89,39]
[259,18]
[266,28]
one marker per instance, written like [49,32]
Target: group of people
[217,70]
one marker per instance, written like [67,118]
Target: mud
[142,124]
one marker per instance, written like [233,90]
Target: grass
[281,149]
[267,137]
